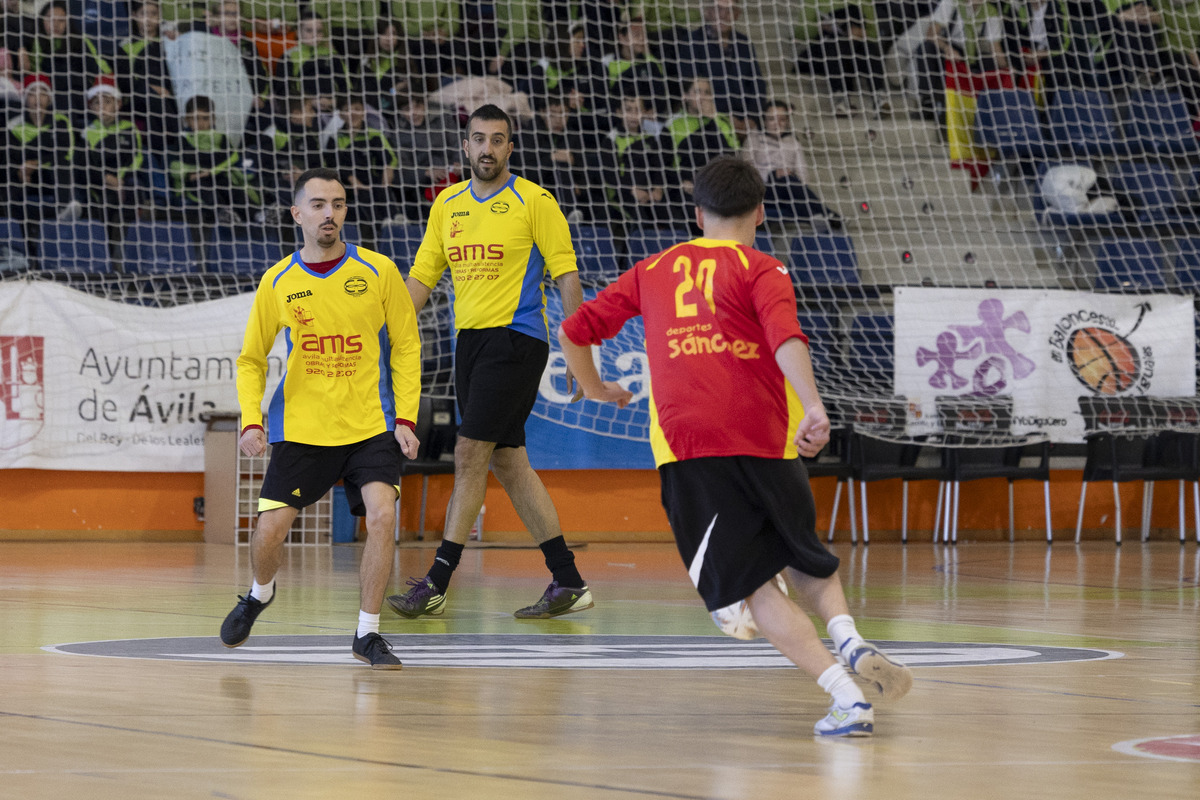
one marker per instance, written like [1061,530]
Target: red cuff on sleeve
[412,426]
[248,427]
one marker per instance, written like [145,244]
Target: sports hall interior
[1052,637]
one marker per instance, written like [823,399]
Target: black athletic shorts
[299,475]
[739,520]
[497,372]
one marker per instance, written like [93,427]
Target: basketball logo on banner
[1105,360]
[22,392]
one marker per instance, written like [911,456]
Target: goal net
[974,199]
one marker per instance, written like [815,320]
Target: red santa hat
[38,81]
[105,84]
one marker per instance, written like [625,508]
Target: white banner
[91,384]
[208,65]
[1044,348]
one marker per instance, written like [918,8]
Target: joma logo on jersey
[475,252]
[702,345]
[311,343]
[298,295]
[454,214]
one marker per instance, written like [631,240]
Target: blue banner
[589,435]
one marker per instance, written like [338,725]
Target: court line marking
[1130,748]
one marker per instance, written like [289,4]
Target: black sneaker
[236,628]
[556,601]
[373,649]
[422,599]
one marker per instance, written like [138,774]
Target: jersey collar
[351,250]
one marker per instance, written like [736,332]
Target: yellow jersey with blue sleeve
[499,249]
[353,351]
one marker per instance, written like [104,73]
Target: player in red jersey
[734,401]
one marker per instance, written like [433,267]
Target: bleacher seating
[12,239]
[643,242]
[1152,189]
[1084,124]
[1160,122]
[80,247]
[400,243]
[241,255]
[159,248]
[595,253]
[1007,120]
[824,260]
[1129,264]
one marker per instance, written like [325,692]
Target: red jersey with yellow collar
[714,313]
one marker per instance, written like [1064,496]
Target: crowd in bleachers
[115,117]
[615,103]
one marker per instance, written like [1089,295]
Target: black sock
[561,563]
[444,564]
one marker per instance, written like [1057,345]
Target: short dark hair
[490,113]
[316,174]
[728,187]
[199,103]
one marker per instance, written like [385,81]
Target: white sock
[844,634]
[367,623]
[263,594]
[840,686]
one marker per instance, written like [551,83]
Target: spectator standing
[720,53]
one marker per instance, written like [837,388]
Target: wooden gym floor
[1064,672]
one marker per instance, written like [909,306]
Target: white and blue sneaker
[888,679]
[857,720]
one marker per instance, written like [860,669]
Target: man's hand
[812,433]
[611,392]
[253,442]
[409,444]
[572,384]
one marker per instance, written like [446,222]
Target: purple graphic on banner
[945,357]
[990,337]
[994,336]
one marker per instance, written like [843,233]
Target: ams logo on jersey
[475,252]
[336,343]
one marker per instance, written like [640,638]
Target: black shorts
[752,517]
[299,475]
[497,372]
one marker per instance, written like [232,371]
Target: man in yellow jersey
[499,235]
[344,409]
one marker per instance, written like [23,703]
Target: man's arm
[793,359]
[580,363]
[571,291]
[261,328]
[418,291]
